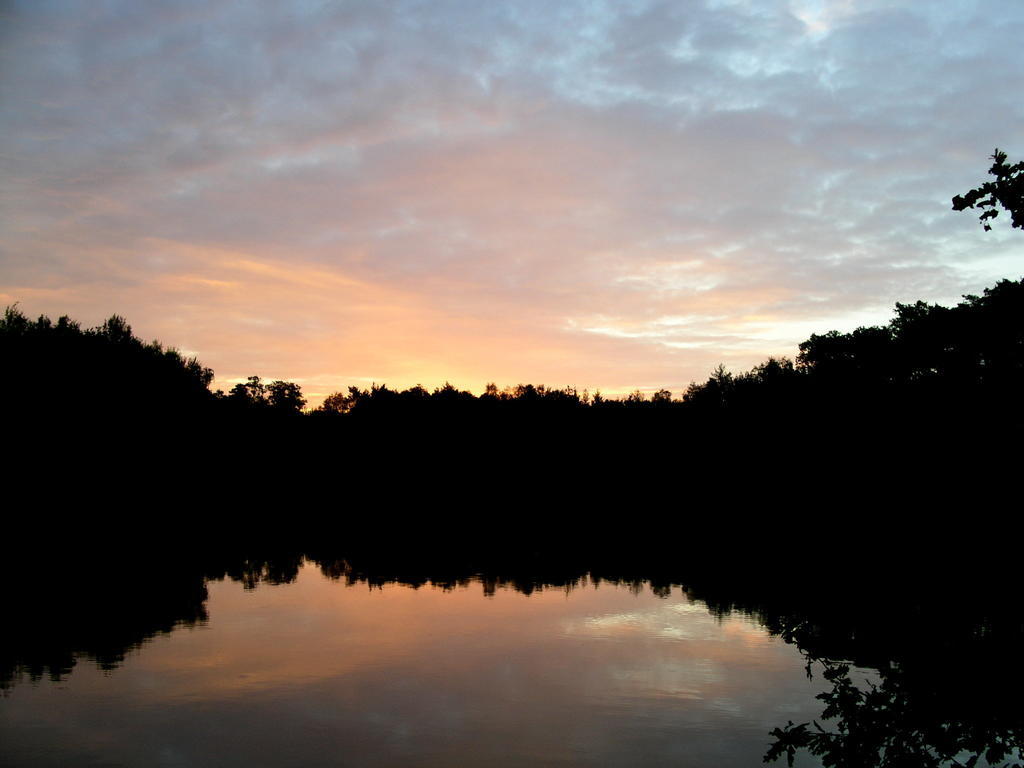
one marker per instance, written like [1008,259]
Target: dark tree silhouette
[251,394]
[1006,192]
[60,372]
[285,397]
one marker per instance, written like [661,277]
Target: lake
[219,653]
[335,672]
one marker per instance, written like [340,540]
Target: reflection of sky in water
[316,673]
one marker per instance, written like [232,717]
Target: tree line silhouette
[959,357]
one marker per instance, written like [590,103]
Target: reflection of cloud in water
[689,655]
[670,621]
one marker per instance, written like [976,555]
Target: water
[324,672]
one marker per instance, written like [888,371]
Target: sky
[607,195]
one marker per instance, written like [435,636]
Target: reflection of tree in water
[93,610]
[923,664]
[100,602]
[946,691]
[905,720]
[101,605]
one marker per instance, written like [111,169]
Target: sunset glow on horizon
[610,196]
